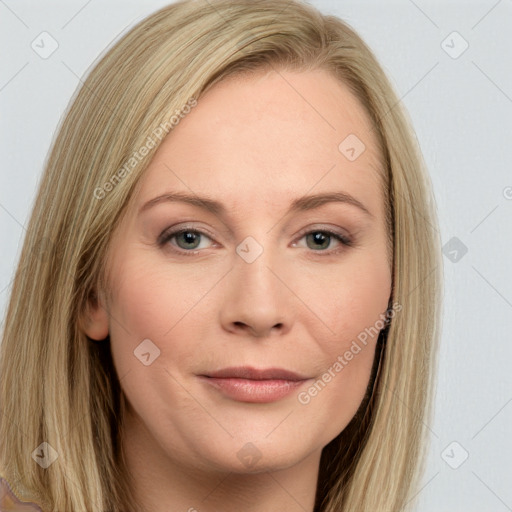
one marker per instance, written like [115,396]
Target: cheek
[147,306]
[164,304]
[349,300]
[153,330]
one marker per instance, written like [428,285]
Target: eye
[320,239]
[187,239]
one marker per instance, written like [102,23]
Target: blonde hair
[59,387]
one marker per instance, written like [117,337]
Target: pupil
[321,237]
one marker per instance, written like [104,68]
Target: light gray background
[461,109]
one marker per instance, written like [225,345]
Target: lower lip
[255,391]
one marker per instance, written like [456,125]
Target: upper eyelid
[173,231]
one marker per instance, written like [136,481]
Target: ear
[95,319]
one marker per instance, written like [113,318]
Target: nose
[256,300]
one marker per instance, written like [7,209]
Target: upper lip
[247,372]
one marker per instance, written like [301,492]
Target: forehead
[268,135]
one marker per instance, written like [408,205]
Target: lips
[246,384]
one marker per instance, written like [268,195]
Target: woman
[285,362]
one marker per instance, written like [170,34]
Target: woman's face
[251,281]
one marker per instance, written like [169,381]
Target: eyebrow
[301,204]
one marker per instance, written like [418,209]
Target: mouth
[246,384]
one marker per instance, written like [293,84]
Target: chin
[246,454]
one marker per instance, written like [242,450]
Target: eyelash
[166,236]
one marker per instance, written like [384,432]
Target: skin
[254,143]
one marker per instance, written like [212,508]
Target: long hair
[58,387]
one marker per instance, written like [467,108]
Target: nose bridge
[255,265]
[256,298]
